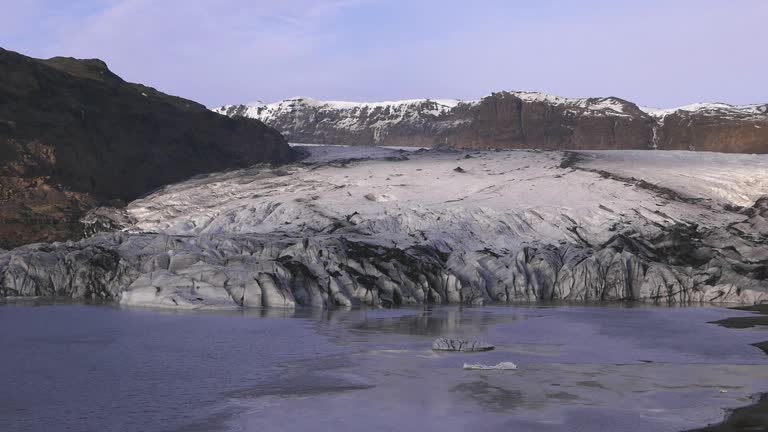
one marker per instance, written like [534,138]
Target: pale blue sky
[655,52]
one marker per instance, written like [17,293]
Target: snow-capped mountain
[712,127]
[735,112]
[516,120]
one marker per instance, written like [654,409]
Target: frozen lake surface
[105,368]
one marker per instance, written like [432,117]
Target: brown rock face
[73,135]
[516,120]
[721,130]
[504,120]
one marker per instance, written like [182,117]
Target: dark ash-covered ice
[446,344]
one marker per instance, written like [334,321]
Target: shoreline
[754,416]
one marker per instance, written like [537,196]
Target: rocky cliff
[713,127]
[516,120]
[73,135]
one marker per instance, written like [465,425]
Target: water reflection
[456,322]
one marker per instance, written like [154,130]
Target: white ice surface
[497,366]
[501,199]
[737,179]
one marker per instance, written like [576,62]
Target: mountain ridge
[517,120]
[74,135]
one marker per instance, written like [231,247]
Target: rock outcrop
[713,127]
[74,135]
[509,120]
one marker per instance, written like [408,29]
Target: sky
[660,53]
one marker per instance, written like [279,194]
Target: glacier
[353,226]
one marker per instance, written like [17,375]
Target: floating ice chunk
[498,366]
[445,344]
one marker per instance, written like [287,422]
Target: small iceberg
[499,366]
[446,344]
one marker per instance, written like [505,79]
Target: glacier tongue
[508,226]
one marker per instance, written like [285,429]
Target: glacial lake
[75,367]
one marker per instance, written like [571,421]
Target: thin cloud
[655,53]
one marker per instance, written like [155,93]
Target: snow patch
[610,104]
[716,108]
